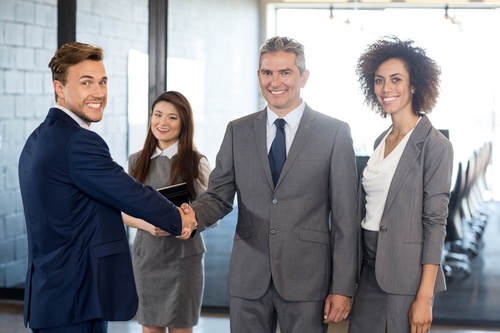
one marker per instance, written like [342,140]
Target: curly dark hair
[424,72]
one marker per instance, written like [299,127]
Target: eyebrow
[279,70]
[91,77]
[395,74]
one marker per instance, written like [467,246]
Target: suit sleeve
[92,169]
[437,187]
[343,201]
[217,201]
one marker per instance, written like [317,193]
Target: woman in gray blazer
[403,193]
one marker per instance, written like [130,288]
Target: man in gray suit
[294,254]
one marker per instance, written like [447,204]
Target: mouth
[94,105]
[278,92]
[388,99]
[162,130]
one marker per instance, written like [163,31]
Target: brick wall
[28,39]
[221,35]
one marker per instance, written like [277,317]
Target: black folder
[177,193]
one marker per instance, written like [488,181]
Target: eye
[103,83]
[265,72]
[378,81]
[286,72]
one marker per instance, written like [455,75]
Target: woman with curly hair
[403,193]
[168,271]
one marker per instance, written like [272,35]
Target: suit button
[383,228]
[272,232]
[275,201]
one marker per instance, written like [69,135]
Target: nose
[387,87]
[164,120]
[99,90]
[275,80]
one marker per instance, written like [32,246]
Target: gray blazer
[285,232]
[413,225]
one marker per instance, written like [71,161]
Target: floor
[210,322]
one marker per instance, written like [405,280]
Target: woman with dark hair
[168,271]
[403,193]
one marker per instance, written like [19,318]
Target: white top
[205,170]
[292,120]
[377,178]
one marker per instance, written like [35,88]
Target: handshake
[189,223]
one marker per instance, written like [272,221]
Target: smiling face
[165,124]
[280,81]
[392,87]
[85,92]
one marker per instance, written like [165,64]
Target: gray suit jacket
[285,232]
[413,225]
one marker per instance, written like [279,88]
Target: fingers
[186,208]
[157,232]
[420,316]
[186,234]
[336,308]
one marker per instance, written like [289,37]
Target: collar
[169,152]
[292,118]
[73,116]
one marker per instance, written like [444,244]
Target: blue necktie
[277,153]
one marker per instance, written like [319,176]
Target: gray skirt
[169,277]
[374,310]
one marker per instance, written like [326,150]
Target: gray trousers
[263,314]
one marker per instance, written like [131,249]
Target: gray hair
[288,45]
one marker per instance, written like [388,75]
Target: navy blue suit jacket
[79,265]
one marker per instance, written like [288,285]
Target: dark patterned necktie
[277,153]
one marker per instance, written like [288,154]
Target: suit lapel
[303,132]
[305,128]
[408,158]
[259,128]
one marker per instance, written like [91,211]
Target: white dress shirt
[292,120]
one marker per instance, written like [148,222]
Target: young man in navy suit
[79,267]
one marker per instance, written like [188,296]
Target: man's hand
[189,222]
[336,308]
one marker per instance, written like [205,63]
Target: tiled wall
[221,34]
[28,39]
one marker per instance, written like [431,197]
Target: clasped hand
[189,223]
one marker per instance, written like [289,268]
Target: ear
[303,78]
[58,88]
